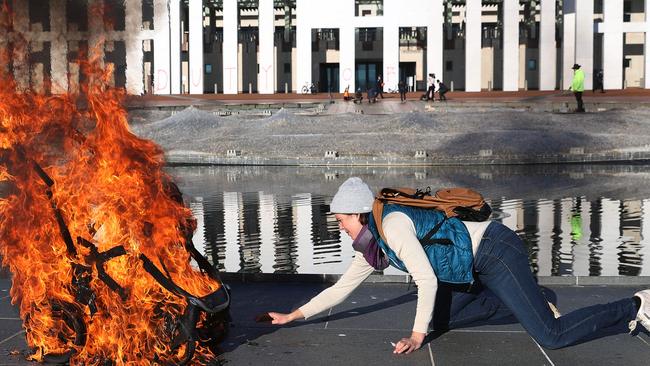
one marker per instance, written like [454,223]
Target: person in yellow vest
[578,86]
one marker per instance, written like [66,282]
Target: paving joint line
[328,316]
[543,352]
[7,339]
[642,340]
[10,319]
[433,363]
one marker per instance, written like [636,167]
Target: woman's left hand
[408,345]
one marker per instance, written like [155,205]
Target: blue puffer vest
[449,249]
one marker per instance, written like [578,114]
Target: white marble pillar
[547,46]
[568,42]
[612,29]
[646,45]
[266,61]
[196,45]
[133,42]
[473,45]
[510,45]
[346,59]
[175,32]
[161,49]
[230,47]
[391,57]
[303,46]
[59,48]
[585,39]
[435,45]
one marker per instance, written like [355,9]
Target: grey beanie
[353,196]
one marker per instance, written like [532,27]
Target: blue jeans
[509,289]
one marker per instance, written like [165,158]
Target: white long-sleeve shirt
[402,239]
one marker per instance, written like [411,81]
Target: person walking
[488,252]
[442,90]
[402,90]
[578,86]
[431,82]
[380,86]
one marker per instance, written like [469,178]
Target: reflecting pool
[582,220]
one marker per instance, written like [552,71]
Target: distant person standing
[431,82]
[578,86]
[402,90]
[598,81]
[380,86]
[442,90]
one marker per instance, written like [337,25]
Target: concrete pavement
[361,329]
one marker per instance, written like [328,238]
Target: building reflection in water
[270,233]
[262,232]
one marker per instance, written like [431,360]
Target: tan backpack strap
[377,212]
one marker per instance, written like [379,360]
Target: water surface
[591,220]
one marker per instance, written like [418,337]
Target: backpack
[463,203]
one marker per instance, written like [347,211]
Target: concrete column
[161,49]
[230,47]
[569,42]
[59,49]
[613,44]
[175,45]
[303,46]
[435,45]
[510,45]
[346,59]
[134,52]
[646,45]
[196,45]
[391,57]
[21,49]
[547,46]
[266,61]
[473,45]
[585,39]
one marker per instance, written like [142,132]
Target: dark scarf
[366,244]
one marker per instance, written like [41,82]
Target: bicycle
[308,88]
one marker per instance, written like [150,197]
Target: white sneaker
[643,315]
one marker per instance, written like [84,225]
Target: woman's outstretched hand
[408,345]
[280,318]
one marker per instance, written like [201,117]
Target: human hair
[364,218]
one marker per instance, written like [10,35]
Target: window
[532,64]
[366,8]
[208,68]
[449,66]
[287,68]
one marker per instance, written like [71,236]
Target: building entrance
[329,78]
[366,74]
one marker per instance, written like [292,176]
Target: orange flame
[110,190]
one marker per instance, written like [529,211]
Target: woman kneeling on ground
[499,263]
